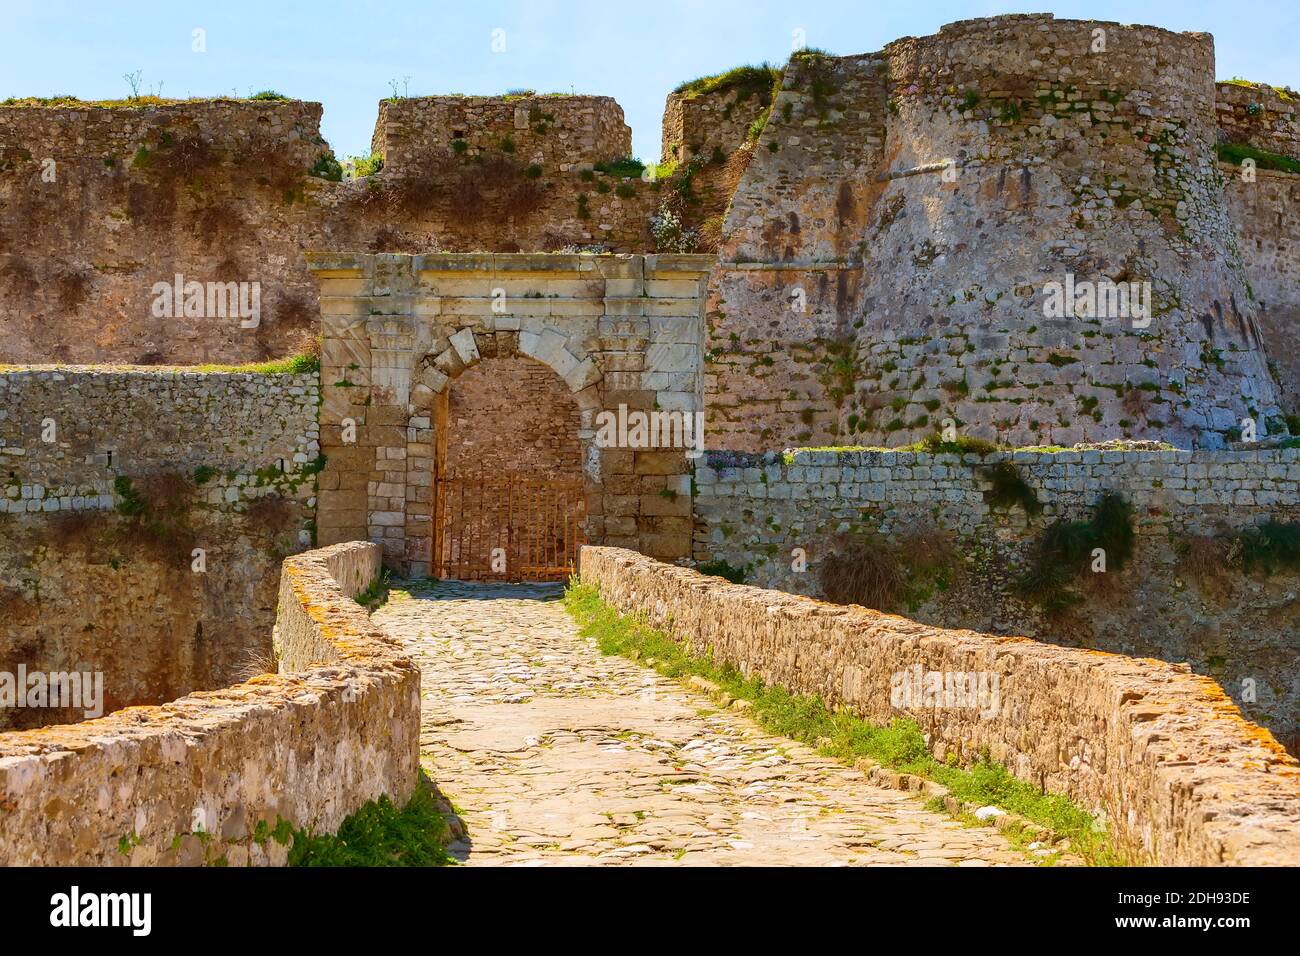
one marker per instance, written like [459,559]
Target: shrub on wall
[1271,547]
[722,569]
[1066,548]
[1007,489]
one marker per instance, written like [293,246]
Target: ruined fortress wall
[234,191]
[230,764]
[564,133]
[516,173]
[1059,160]
[1181,777]
[707,136]
[1259,116]
[1095,164]
[789,273]
[97,204]
[752,511]
[1266,214]
[98,574]
[697,124]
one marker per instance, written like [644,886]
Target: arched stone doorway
[622,333]
[509,489]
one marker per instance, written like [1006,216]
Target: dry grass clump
[270,162]
[15,608]
[861,571]
[75,529]
[271,513]
[888,572]
[160,511]
[73,286]
[255,664]
[217,223]
[1209,560]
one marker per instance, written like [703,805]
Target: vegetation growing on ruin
[1236,152]
[305,363]
[1209,560]
[327,167]
[721,569]
[1007,488]
[130,502]
[626,168]
[379,834]
[361,166]
[839,734]
[1270,547]
[463,186]
[1065,549]
[815,77]
[747,81]
[1283,92]
[376,592]
[134,102]
[888,572]
[961,445]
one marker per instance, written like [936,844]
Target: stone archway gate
[621,331]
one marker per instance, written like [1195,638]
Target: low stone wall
[754,511]
[792,499]
[308,746]
[66,432]
[1181,777]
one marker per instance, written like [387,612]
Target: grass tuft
[379,834]
[1235,152]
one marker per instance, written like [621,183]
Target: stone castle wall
[789,269]
[1259,116]
[753,511]
[708,135]
[698,124]
[212,190]
[564,133]
[206,778]
[231,191]
[99,576]
[1131,738]
[1093,164]
[997,168]
[517,175]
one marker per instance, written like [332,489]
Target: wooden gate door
[507,528]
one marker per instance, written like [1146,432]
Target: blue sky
[345,54]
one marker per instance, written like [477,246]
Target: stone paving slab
[556,755]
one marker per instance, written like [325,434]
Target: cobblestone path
[555,754]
